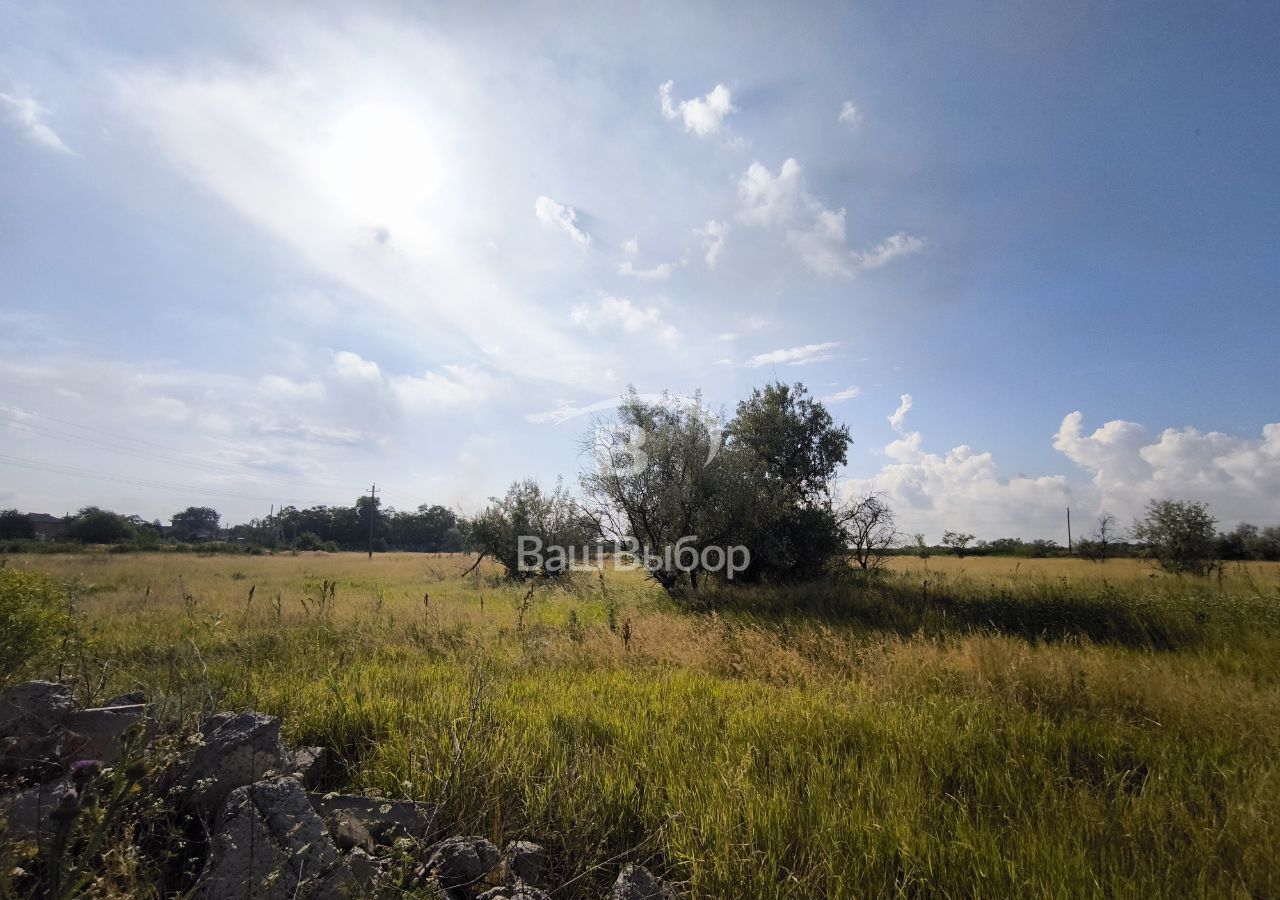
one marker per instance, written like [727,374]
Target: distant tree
[99,526]
[529,520]
[1042,547]
[1180,536]
[195,523]
[921,548]
[869,527]
[16,526]
[957,541]
[1005,546]
[1105,534]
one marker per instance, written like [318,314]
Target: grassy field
[977,727]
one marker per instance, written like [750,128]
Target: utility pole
[373,510]
[1068,531]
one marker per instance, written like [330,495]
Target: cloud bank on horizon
[272,258]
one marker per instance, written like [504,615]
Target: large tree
[196,523]
[99,526]
[662,476]
[656,477]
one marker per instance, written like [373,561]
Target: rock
[525,861]
[309,764]
[519,892]
[528,892]
[96,733]
[355,877]
[349,831]
[462,861]
[132,699]
[636,883]
[34,706]
[270,845]
[32,715]
[26,814]
[239,749]
[385,820]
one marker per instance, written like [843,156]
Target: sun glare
[378,162]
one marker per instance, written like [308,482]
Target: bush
[1180,536]
[34,619]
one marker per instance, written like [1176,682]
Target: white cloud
[900,244]
[660,272]
[847,394]
[620,313]
[794,356]
[631,250]
[822,244]
[29,116]
[963,490]
[702,115]
[770,200]
[552,213]
[1238,477]
[450,386]
[849,115]
[815,232]
[354,368]
[899,416]
[713,235]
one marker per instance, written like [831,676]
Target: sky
[256,254]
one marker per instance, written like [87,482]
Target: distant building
[47,527]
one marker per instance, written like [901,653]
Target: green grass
[1039,731]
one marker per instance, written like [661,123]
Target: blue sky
[277,252]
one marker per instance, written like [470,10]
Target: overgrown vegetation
[35,617]
[949,727]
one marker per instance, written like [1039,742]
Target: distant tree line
[426,529]
[672,475]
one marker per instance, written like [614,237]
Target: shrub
[1180,536]
[34,619]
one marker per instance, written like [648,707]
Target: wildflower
[83,770]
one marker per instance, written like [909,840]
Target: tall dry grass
[981,728]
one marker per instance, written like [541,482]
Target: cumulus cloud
[713,235]
[961,489]
[815,232]
[620,313]
[631,250]
[26,114]
[770,200]
[849,115]
[556,214]
[794,356]
[701,115]
[899,416]
[1238,477]
[847,394]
